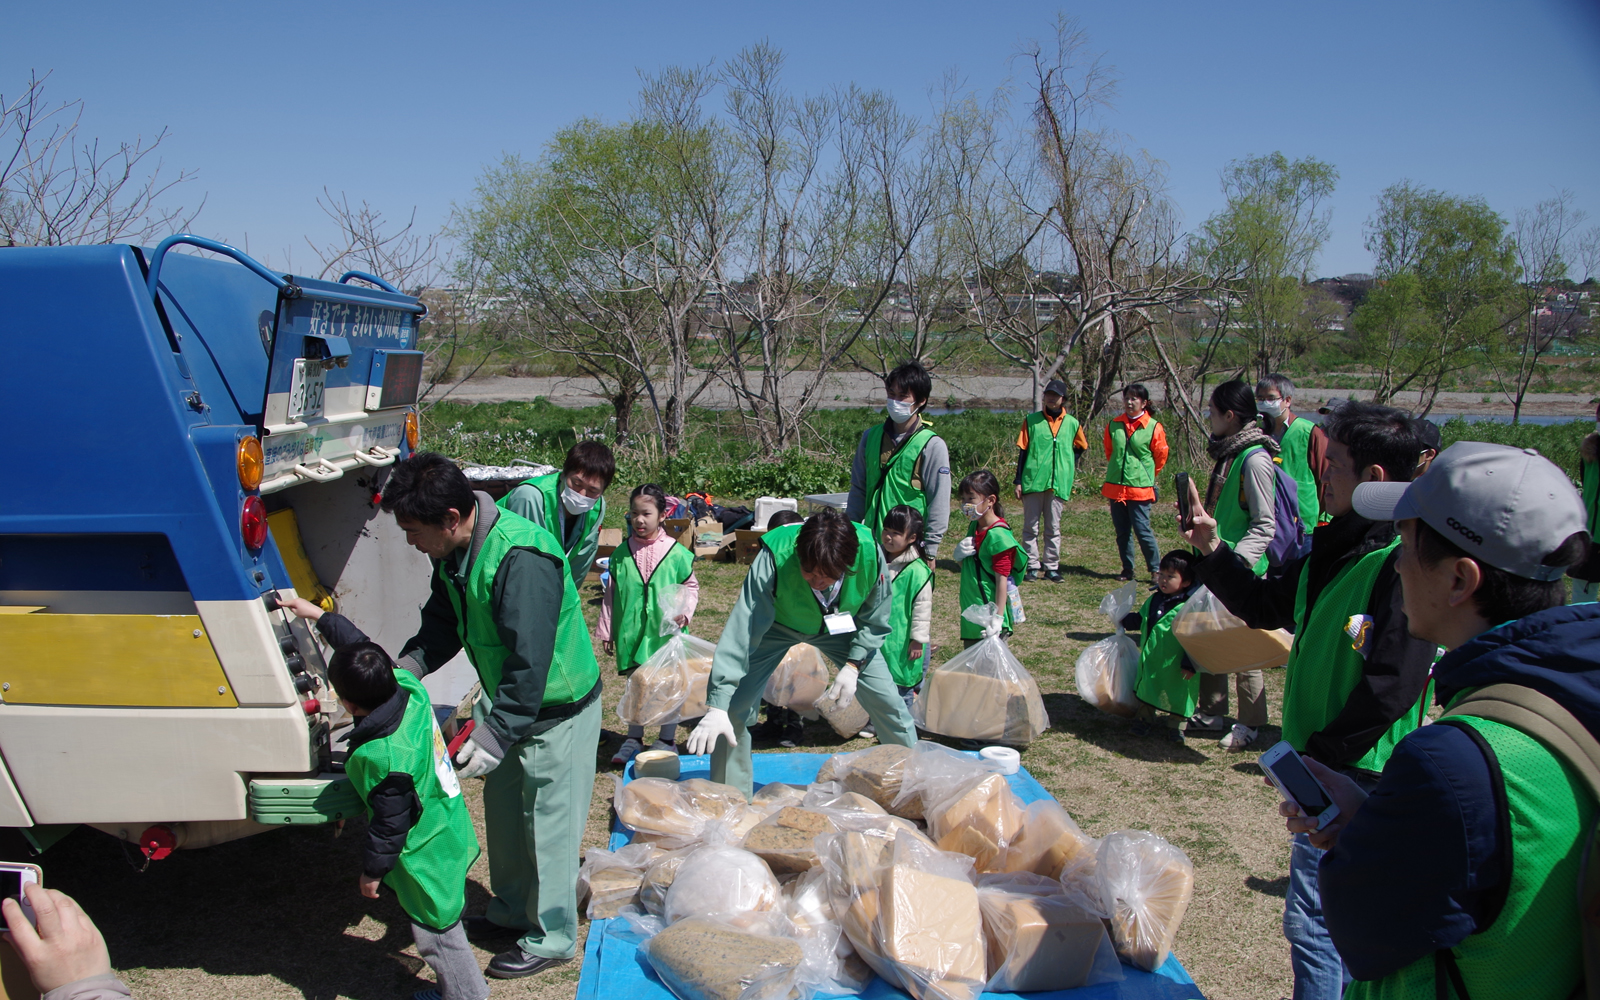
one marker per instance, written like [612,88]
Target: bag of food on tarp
[1146,884]
[721,882]
[1107,670]
[930,927]
[1050,844]
[831,966]
[874,773]
[1219,642]
[1039,938]
[784,840]
[656,807]
[699,958]
[799,680]
[983,692]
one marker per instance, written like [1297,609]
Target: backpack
[1562,734]
[1290,539]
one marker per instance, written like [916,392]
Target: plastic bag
[658,878]
[875,773]
[799,681]
[979,818]
[785,839]
[670,686]
[1221,643]
[930,925]
[1039,940]
[1108,670]
[930,771]
[831,965]
[846,720]
[721,882]
[703,959]
[672,600]
[1146,884]
[982,693]
[610,880]
[1049,844]
[680,809]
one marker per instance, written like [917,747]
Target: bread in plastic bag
[831,966]
[670,685]
[1146,884]
[979,819]
[1107,670]
[704,959]
[1221,643]
[981,693]
[1041,940]
[846,720]
[774,795]
[785,839]
[1049,843]
[721,882]
[610,880]
[799,680]
[930,772]
[930,925]
[681,809]
[874,773]
[658,878]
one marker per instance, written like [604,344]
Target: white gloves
[474,760]
[714,724]
[843,691]
[994,628]
[965,549]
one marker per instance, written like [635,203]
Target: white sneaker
[630,749]
[1242,737]
[868,733]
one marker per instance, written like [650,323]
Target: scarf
[1224,450]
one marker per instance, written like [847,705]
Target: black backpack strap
[1496,900]
[1446,971]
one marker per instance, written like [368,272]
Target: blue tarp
[613,967]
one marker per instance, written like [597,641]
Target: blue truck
[189,439]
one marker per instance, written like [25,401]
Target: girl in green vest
[1167,682]
[988,554]
[910,623]
[631,620]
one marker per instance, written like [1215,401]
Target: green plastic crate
[323,799]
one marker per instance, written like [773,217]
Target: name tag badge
[839,624]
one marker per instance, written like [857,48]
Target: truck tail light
[253,523]
[251,463]
[412,431]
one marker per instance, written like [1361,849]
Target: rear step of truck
[324,799]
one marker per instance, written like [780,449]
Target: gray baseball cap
[1508,507]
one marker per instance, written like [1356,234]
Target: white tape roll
[1007,759]
[656,764]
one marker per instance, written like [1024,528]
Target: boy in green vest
[1167,680]
[570,504]
[1356,675]
[823,583]
[1136,452]
[1303,446]
[902,461]
[503,593]
[1458,874]
[1048,447]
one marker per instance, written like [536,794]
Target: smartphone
[1180,486]
[1296,784]
[13,876]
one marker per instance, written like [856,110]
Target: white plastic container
[768,506]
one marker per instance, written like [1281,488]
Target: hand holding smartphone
[13,876]
[1298,785]
[1180,486]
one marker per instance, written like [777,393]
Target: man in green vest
[1356,676]
[570,504]
[1136,452]
[902,461]
[1458,874]
[1303,446]
[824,582]
[1048,447]
[502,591]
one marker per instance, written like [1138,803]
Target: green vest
[555,515]
[978,583]
[1161,681]
[1533,949]
[431,876]
[1233,516]
[1049,465]
[908,583]
[573,669]
[1295,456]
[1325,664]
[1131,462]
[889,485]
[635,607]
[795,605]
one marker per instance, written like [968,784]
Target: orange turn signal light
[412,431]
[251,463]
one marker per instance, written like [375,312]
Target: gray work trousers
[1043,553]
[455,967]
[1252,688]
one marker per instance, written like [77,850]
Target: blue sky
[402,104]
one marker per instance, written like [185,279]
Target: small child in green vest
[630,623]
[911,622]
[420,839]
[988,554]
[1166,681]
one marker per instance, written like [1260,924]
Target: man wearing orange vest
[1136,452]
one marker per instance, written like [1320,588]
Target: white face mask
[575,503]
[970,511]
[1270,407]
[900,411]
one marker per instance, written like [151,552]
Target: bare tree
[1545,239]
[57,188]
[405,257]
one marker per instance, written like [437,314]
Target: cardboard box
[746,543]
[610,538]
[676,526]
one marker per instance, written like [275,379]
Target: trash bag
[704,959]
[723,883]
[670,686]
[799,680]
[983,692]
[1107,670]
[610,880]
[1146,884]
[1219,642]
[658,878]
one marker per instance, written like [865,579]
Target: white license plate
[305,391]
